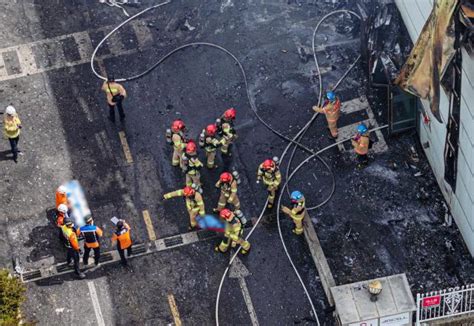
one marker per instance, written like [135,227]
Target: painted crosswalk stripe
[149,225]
[126,148]
[174,310]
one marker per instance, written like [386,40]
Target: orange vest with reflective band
[362,147]
[123,237]
[71,238]
[332,110]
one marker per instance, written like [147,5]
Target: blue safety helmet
[362,128]
[331,96]
[296,195]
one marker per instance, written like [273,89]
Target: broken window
[452,85]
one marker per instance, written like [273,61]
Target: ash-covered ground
[380,221]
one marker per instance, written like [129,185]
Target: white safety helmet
[62,208]
[10,110]
[62,189]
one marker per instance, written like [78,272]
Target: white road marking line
[248,301]
[26,59]
[143,33]
[240,272]
[95,303]
[3,68]
[84,45]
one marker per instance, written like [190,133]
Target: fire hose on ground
[295,141]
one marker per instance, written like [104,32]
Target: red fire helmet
[177,125]
[230,114]
[211,130]
[226,177]
[268,164]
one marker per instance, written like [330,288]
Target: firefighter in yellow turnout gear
[228,186]
[270,173]
[332,109]
[361,143]
[297,211]
[192,165]
[227,130]
[233,233]
[194,203]
[210,143]
[175,136]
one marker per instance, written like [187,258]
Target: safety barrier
[444,304]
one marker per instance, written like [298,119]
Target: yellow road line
[126,149]
[149,225]
[174,310]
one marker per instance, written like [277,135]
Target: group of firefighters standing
[222,135]
[218,136]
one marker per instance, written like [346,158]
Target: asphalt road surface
[45,74]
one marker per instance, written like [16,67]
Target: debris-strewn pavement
[379,221]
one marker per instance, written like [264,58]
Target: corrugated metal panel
[467,211]
[414,13]
[424,6]
[413,28]
[465,174]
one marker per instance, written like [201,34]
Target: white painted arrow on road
[240,272]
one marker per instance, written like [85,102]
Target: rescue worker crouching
[91,234]
[270,173]
[194,203]
[332,110]
[192,165]
[124,240]
[297,211]
[361,144]
[175,136]
[233,233]
[208,140]
[226,130]
[72,245]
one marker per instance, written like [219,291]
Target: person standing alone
[116,93]
[11,129]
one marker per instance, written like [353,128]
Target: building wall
[461,202]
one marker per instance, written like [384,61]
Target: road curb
[317,253]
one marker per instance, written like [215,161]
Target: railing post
[417,309]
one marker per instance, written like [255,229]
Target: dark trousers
[362,160]
[87,251]
[14,146]
[122,254]
[120,110]
[73,255]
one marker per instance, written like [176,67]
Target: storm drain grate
[139,249]
[63,267]
[171,242]
[106,257]
[203,235]
[31,275]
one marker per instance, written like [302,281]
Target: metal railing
[444,304]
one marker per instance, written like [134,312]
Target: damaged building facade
[447,130]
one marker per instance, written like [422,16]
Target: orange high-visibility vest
[123,237]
